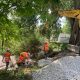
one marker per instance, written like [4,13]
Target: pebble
[66,68]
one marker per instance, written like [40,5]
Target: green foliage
[66,28]
[8,33]
[56,47]
[19,31]
[64,47]
[67,5]
[6,75]
[9,75]
[32,42]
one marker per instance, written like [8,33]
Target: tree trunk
[75,29]
[71,41]
[2,44]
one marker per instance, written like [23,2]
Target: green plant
[9,75]
[63,46]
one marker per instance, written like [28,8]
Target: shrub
[9,75]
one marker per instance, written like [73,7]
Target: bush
[63,47]
[9,75]
[33,45]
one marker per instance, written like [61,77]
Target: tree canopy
[19,20]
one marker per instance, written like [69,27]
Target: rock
[66,68]
[44,62]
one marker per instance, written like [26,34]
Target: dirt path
[3,65]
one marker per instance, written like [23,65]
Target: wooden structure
[74,17]
[70,13]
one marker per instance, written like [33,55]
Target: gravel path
[65,68]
